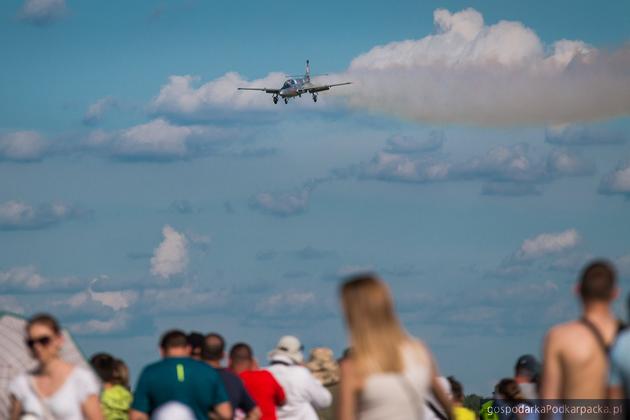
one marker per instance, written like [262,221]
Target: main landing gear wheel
[286,101]
[275,99]
[314,98]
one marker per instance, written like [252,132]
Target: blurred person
[575,361]
[115,396]
[389,373]
[526,373]
[304,393]
[510,401]
[212,353]
[56,389]
[457,397]
[178,377]
[260,384]
[325,369]
[195,340]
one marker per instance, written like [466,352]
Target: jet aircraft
[297,86]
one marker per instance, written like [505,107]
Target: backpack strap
[606,347]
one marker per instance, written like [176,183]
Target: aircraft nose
[283,92]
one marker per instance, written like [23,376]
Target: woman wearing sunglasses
[55,390]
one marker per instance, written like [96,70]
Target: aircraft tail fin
[307,75]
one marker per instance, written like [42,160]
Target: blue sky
[480,157]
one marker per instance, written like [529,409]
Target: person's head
[527,368]
[44,337]
[103,366]
[598,283]
[508,389]
[241,357]
[195,341]
[174,343]
[121,373]
[288,349]
[457,390]
[376,335]
[213,348]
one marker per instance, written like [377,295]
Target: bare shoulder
[561,333]
[421,351]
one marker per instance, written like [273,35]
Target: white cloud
[567,163]
[15,215]
[548,243]
[22,146]
[28,279]
[581,135]
[97,110]
[171,256]
[618,181]
[180,97]
[282,204]
[160,140]
[407,144]
[470,72]
[401,168]
[42,12]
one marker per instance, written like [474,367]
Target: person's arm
[254,414]
[138,415]
[439,392]
[91,408]
[318,395]
[16,409]
[223,411]
[279,396]
[348,387]
[550,385]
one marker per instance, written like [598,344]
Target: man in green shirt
[177,377]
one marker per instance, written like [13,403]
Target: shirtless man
[575,362]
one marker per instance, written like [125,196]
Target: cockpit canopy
[289,83]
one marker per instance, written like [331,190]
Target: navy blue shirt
[236,392]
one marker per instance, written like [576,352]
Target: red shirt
[265,390]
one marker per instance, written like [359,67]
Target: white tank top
[396,396]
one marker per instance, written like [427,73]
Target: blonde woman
[388,373]
[56,390]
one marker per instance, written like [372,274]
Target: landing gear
[286,100]
[314,97]
[275,99]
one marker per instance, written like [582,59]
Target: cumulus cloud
[499,74]
[23,146]
[160,140]
[282,204]
[181,98]
[42,12]
[98,109]
[27,279]
[17,215]
[406,144]
[171,256]
[505,170]
[617,181]
[548,243]
[583,135]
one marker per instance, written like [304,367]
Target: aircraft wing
[313,89]
[274,91]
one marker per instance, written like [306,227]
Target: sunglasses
[42,341]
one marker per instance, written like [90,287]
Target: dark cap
[527,364]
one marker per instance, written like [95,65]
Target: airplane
[296,86]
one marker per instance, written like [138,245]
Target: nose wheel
[286,100]
[275,99]
[314,97]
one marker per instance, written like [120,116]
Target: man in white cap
[302,389]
